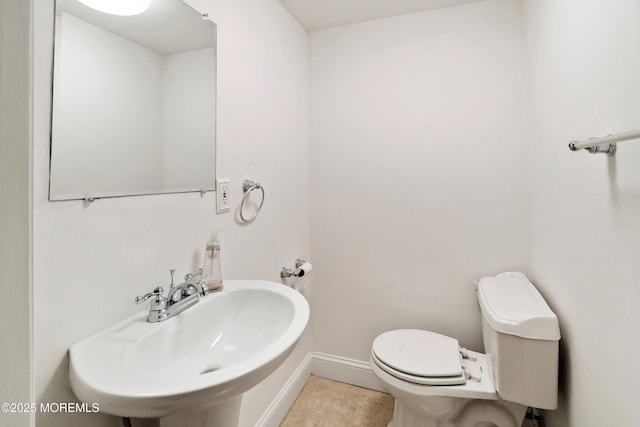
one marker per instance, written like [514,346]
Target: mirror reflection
[133,101]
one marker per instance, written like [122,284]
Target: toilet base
[470,413]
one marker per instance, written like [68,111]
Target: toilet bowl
[437,383]
[422,396]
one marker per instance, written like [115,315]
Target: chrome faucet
[179,298]
[189,287]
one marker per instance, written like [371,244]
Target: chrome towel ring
[247,187]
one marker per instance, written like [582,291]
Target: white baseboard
[336,368]
[350,371]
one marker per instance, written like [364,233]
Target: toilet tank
[521,335]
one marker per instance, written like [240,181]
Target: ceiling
[318,14]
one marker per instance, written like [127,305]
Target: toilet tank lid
[512,305]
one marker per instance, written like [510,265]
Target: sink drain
[210,369]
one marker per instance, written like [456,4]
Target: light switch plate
[223,195]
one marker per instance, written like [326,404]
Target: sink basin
[206,355]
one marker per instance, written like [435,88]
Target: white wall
[100,74]
[90,261]
[418,171]
[584,65]
[15,211]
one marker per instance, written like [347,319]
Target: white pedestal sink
[191,370]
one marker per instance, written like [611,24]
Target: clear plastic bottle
[211,268]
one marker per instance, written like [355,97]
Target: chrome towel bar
[604,144]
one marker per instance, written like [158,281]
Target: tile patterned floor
[327,403]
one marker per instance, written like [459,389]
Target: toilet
[437,383]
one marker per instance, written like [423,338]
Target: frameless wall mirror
[134,100]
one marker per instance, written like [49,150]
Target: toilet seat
[420,357]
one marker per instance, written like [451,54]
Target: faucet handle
[172,272]
[190,276]
[157,292]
